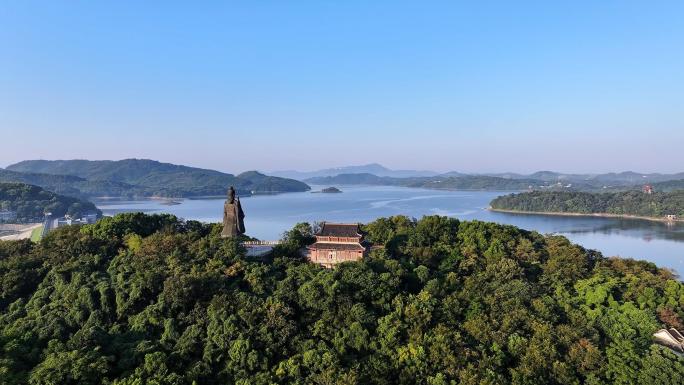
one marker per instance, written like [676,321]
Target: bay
[268,216]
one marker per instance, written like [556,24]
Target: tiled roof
[339,230]
[337,246]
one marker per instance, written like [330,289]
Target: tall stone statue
[233,216]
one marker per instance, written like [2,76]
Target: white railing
[260,243]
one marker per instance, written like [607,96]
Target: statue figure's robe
[233,219]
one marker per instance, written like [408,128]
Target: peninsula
[645,205]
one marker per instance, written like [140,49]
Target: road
[23,231]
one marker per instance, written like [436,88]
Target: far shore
[596,215]
[192,197]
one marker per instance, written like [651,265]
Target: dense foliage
[72,185]
[139,299]
[142,177]
[671,185]
[637,203]
[30,203]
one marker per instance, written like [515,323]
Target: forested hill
[463,182]
[142,177]
[671,185]
[547,180]
[72,185]
[31,202]
[656,205]
[138,299]
[478,182]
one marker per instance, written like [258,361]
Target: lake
[268,216]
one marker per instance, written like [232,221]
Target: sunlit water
[268,216]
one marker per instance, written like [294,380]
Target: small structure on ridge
[337,243]
[233,216]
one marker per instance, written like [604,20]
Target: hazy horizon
[304,170]
[584,87]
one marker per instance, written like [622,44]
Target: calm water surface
[268,216]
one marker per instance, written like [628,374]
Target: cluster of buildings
[67,220]
[11,216]
[52,223]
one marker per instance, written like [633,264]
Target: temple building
[337,243]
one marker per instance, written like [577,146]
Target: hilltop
[144,177]
[138,299]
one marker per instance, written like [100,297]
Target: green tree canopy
[150,299]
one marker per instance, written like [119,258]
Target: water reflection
[646,230]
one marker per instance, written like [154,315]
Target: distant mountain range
[627,178]
[373,168]
[140,177]
[145,178]
[510,181]
[463,182]
[623,178]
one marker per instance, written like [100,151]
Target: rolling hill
[143,177]
[463,182]
[31,202]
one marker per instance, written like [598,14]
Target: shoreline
[596,215]
[426,188]
[195,197]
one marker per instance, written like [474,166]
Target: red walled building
[337,243]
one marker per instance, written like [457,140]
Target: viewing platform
[259,248]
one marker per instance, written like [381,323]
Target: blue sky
[475,87]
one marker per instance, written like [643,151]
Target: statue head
[231,194]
